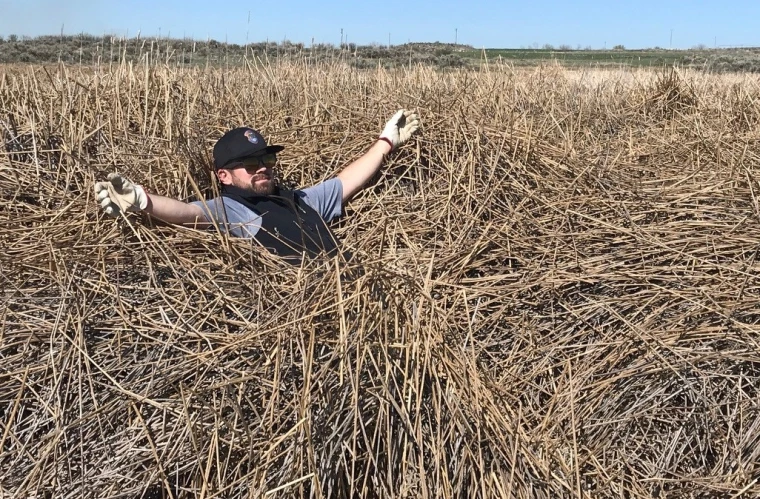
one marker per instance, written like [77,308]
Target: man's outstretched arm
[355,175]
[175,212]
[397,131]
[120,194]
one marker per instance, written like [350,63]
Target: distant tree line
[88,49]
[107,49]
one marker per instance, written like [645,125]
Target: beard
[260,185]
[262,188]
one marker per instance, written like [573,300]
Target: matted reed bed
[555,289]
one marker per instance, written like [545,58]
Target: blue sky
[492,23]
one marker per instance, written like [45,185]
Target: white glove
[119,194]
[398,130]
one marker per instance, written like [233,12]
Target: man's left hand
[400,128]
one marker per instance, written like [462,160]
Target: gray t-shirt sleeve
[326,198]
[231,216]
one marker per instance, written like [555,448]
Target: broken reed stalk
[556,292]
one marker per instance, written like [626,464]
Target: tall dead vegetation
[555,292]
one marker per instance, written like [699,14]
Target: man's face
[254,175]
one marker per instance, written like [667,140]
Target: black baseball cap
[240,144]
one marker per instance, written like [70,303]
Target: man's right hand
[119,194]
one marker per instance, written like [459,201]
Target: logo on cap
[251,137]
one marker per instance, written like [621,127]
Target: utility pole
[247,30]
[455,36]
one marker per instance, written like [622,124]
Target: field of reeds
[555,289]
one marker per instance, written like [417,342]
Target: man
[288,223]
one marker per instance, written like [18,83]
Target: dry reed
[558,292]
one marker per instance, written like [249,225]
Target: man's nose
[257,169]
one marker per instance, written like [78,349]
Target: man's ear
[224,176]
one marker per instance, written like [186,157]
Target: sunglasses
[266,160]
